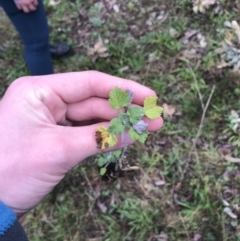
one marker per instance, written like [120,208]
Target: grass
[178,193]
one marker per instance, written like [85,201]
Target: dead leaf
[234,114]
[102,207]
[159,183]
[225,203]
[229,37]
[222,64]
[163,236]
[203,42]
[99,50]
[229,212]
[168,110]
[95,239]
[191,54]
[225,150]
[231,159]
[173,32]
[197,237]
[236,28]
[148,186]
[53,3]
[236,208]
[123,69]
[202,5]
[116,8]
[189,34]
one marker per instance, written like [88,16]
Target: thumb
[80,143]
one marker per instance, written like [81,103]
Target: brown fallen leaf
[191,54]
[53,3]
[168,110]
[202,5]
[229,158]
[229,212]
[197,237]
[236,28]
[222,64]
[99,50]
[102,207]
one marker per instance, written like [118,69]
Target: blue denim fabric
[34,32]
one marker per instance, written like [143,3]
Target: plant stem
[119,160]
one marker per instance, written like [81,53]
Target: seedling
[129,119]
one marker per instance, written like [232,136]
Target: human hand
[38,142]
[26,5]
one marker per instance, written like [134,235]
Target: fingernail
[125,139]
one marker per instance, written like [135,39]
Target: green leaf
[125,119]
[151,110]
[103,170]
[137,137]
[118,98]
[107,155]
[135,114]
[102,161]
[116,126]
[117,153]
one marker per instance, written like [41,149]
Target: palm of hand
[39,143]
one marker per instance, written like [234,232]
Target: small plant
[130,119]
[233,128]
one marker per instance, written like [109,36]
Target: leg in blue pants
[33,29]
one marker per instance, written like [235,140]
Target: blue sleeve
[7,218]
[10,228]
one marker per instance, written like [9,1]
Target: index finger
[76,86]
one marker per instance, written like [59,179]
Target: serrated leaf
[151,110]
[107,155]
[135,113]
[117,153]
[116,126]
[118,98]
[125,119]
[102,161]
[104,138]
[137,137]
[103,170]
[140,126]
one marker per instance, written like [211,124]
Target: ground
[187,187]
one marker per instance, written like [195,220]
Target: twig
[195,80]
[119,160]
[89,184]
[199,130]
[205,111]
